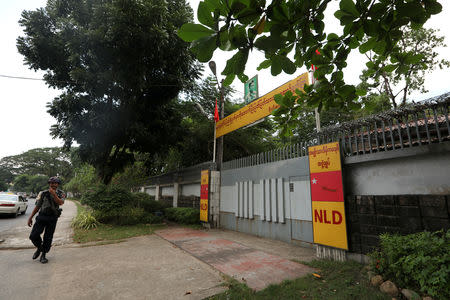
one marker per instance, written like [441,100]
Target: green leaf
[287,65]
[204,48]
[190,32]
[349,7]
[369,45]
[204,15]
[279,99]
[370,27]
[332,37]
[213,4]
[225,44]
[354,106]
[346,90]
[361,92]
[264,65]
[243,77]
[240,61]
[390,68]
[276,65]
[410,9]
[238,36]
[248,16]
[229,80]
[433,7]
[268,44]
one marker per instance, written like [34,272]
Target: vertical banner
[327,196]
[204,195]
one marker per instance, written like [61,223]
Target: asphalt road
[7,222]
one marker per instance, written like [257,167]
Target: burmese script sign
[327,196]
[259,108]
[204,194]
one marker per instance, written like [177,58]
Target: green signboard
[251,90]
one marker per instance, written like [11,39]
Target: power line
[73,82]
[20,77]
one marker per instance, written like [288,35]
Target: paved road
[14,232]
[7,222]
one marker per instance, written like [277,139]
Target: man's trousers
[47,223]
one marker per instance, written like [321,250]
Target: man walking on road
[47,203]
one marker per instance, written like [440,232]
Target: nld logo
[327,217]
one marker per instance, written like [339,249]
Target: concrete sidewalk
[242,260]
[18,238]
[175,263]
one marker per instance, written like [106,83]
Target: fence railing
[416,124]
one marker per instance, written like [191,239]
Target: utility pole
[212,66]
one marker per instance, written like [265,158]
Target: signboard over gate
[259,108]
[327,196]
[204,196]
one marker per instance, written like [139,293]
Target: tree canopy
[293,34]
[40,161]
[196,144]
[413,56]
[119,65]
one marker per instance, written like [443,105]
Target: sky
[25,123]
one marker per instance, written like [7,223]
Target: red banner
[327,186]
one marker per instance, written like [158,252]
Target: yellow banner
[258,109]
[324,158]
[204,196]
[329,224]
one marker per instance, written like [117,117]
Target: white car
[12,204]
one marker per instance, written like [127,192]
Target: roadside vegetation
[108,213]
[418,261]
[333,280]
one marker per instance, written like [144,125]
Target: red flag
[216,113]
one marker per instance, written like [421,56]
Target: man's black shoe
[37,253]
[43,259]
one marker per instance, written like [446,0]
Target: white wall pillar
[157,192]
[176,193]
[214,198]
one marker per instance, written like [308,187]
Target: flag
[216,113]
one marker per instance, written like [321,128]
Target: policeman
[47,203]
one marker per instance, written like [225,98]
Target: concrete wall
[192,189]
[270,200]
[423,170]
[402,191]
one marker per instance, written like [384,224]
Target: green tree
[119,64]
[39,161]
[3,186]
[6,176]
[196,144]
[403,70]
[30,183]
[291,34]
[84,178]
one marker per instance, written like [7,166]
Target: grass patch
[107,234]
[338,281]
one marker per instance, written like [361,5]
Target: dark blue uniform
[46,220]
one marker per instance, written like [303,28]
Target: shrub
[148,203]
[418,261]
[107,198]
[85,220]
[183,215]
[149,218]
[121,216]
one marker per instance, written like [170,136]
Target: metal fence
[416,124]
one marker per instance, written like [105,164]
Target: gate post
[214,196]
